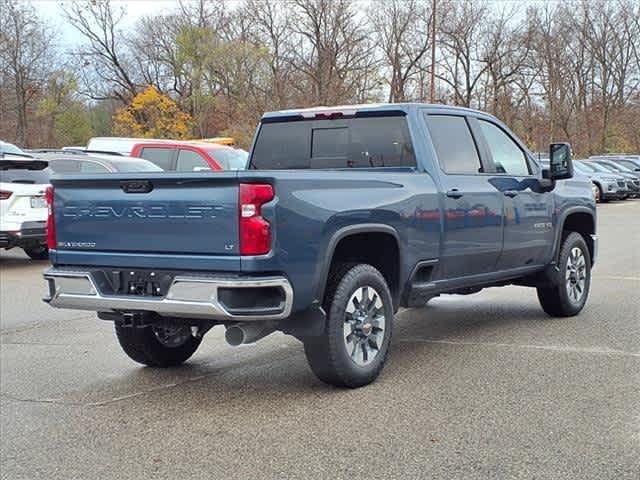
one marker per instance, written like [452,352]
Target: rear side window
[160,156]
[360,142]
[190,161]
[92,167]
[65,166]
[454,145]
[507,155]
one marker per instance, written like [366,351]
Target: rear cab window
[336,143]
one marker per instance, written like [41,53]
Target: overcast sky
[49,10]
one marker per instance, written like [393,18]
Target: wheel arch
[353,232]
[581,220]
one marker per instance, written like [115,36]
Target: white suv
[23,210]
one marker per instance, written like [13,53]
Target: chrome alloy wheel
[172,337]
[576,275]
[364,325]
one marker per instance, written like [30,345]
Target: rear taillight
[51,224]
[255,231]
[5,194]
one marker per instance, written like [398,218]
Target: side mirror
[560,164]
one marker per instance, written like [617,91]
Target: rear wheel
[37,253]
[158,346]
[352,350]
[568,296]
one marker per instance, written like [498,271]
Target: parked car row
[25,175]
[613,177]
[177,155]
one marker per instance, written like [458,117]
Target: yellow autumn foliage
[152,115]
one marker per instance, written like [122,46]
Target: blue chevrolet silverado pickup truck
[343,215]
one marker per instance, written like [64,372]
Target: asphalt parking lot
[483,386]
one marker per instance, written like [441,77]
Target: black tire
[601,199]
[558,301]
[327,354]
[37,253]
[598,198]
[142,346]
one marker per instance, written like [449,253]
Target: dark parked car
[344,215]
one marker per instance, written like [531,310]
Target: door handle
[510,193]
[454,193]
[136,186]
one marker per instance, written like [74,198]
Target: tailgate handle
[136,186]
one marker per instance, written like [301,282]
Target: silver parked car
[609,185]
[77,163]
[632,178]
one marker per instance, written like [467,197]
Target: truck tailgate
[176,214]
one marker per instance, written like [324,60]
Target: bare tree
[271,22]
[105,55]
[27,56]
[333,50]
[403,33]
[463,62]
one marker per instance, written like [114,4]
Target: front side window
[229,158]
[190,161]
[507,155]
[454,145]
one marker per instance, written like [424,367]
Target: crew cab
[190,156]
[344,215]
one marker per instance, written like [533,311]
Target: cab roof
[369,107]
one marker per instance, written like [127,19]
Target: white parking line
[552,348]
[615,277]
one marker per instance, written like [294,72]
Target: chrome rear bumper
[188,297]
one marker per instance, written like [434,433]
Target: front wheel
[568,296]
[158,346]
[353,347]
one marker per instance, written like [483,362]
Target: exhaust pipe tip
[247,332]
[234,336]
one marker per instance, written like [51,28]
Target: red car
[186,156]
